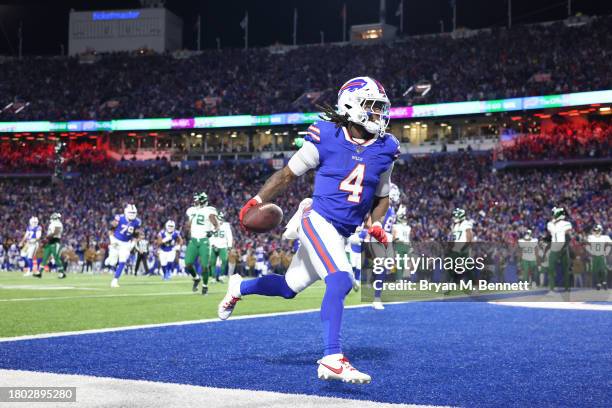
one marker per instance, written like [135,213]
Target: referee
[142,250]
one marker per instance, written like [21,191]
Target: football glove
[251,203]
[378,233]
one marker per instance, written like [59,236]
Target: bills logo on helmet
[354,85]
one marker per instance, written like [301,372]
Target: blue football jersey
[362,236]
[31,232]
[389,220]
[260,254]
[167,246]
[348,174]
[125,229]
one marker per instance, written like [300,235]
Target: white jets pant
[29,250]
[321,252]
[118,251]
[166,257]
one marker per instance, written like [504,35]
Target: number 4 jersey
[349,175]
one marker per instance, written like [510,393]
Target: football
[263,217]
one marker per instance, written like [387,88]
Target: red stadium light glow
[152,134]
[515,118]
[131,134]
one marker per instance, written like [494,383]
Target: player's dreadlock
[329,114]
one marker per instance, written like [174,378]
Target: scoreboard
[124,30]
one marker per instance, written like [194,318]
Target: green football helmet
[458,214]
[201,199]
[558,213]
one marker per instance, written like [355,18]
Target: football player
[462,236]
[221,240]
[2,257]
[529,266]
[599,247]
[401,237]
[560,230]
[202,223]
[355,241]
[123,235]
[388,222]
[168,240]
[29,244]
[353,157]
[52,247]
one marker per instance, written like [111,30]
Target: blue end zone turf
[467,354]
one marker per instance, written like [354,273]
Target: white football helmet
[170,226]
[364,101]
[130,212]
[34,222]
[55,216]
[394,194]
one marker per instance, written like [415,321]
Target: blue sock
[338,286]
[379,279]
[269,285]
[119,269]
[357,272]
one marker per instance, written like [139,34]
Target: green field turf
[81,302]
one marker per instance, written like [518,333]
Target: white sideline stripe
[40,287]
[168,324]
[94,296]
[111,392]
[557,305]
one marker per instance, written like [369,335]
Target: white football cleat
[337,367]
[28,273]
[115,283]
[377,305]
[232,296]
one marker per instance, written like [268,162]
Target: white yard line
[557,305]
[111,392]
[169,324]
[96,296]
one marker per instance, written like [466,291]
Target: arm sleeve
[384,185]
[305,159]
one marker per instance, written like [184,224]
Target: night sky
[45,23]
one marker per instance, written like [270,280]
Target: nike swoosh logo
[334,370]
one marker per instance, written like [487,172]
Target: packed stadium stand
[502,204]
[489,64]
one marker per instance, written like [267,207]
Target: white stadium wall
[124,30]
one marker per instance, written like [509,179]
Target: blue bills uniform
[356,247]
[125,229]
[168,245]
[348,174]
[167,251]
[260,260]
[32,233]
[121,243]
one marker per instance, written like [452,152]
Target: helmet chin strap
[372,127]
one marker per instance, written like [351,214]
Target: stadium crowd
[495,63]
[502,204]
[26,157]
[592,140]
